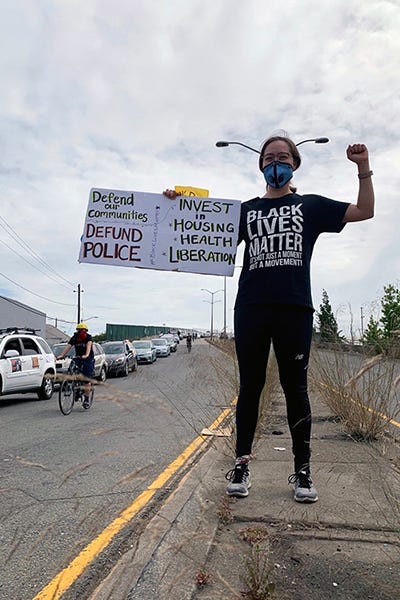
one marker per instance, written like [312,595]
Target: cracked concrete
[345,546]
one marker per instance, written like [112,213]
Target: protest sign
[188,190]
[191,234]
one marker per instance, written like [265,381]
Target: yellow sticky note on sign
[187,190]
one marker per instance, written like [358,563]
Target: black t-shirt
[80,347]
[280,235]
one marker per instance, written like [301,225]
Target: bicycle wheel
[66,397]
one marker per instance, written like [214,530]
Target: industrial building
[16,314]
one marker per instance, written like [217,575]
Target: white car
[27,363]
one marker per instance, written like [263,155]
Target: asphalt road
[64,479]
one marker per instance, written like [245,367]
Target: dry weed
[269,393]
[202,578]
[362,392]
[254,535]
[258,576]
[224,511]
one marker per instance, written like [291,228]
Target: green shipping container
[117,331]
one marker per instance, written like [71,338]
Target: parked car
[162,347]
[27,363]
[177,336]
[100,361]
[121,357]
[171,341]
[146,351]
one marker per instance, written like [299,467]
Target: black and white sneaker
[86,402]
[239,478]
[304,489]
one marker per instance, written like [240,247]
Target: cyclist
[189,342]
[82,341]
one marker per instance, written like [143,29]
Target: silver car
[146,351]
[162,347]
[171,341]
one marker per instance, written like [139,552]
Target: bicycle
[71,389]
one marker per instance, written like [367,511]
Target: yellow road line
[369,409]
[63,580]
[383,416]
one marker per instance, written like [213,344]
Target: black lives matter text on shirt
[275,238]
[280,235]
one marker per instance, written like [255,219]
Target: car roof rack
[11,330]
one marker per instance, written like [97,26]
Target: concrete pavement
[346,546]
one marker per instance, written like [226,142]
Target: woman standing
[274,303]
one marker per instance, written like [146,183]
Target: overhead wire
[34,293]
[17,238]
[33,265]
[42,264]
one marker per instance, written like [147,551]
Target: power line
[61,320]
[16,237]
[33,293]
[33,265]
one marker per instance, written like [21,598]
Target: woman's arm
[364,209]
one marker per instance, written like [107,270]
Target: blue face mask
[277,174]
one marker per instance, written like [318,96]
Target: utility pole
[79,291]
[362,322]
[224,307]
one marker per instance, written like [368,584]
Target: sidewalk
[346,546]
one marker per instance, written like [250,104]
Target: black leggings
[289,328]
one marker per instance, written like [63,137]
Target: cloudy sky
[133,95]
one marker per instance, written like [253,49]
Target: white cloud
[133,95]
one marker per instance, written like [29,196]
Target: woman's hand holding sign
[171,194]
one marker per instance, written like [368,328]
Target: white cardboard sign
[149,231]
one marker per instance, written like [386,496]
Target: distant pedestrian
[274,303]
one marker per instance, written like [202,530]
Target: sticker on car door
[16,365]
